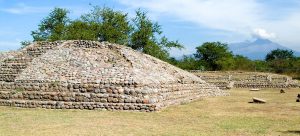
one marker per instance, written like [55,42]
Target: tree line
[215,56]
[144,35]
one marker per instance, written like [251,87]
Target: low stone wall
[229,79]
[264,85]
[100,96]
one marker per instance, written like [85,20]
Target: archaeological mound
[94,75]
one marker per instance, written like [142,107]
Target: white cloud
[21,8]
[237,16]
[262,33]
[215,14]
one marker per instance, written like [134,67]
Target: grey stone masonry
[93,75]
[237,79]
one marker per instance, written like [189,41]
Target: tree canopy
[106,24]
[80,30]
[280,54]
[146,37]
[52,27]
[112,26]
[280,59]
[215,55]
[243,63]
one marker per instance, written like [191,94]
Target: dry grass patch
[231,115]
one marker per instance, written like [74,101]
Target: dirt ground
[228,115]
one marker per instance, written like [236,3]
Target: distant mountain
[256,50]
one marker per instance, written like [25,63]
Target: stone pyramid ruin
[94,75]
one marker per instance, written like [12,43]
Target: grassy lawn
[231,115]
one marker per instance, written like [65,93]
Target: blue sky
[192,22]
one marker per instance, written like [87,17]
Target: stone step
[71,97]
[90,97]
[13,71]
[8,77]
[78,105]
[9,65]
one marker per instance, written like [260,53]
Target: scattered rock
[230,85]
[258,100]
[282,91]
[254,89]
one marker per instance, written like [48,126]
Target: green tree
[225,63]
[260,65]
[112,26]
[79,30]
[215,55]
[146,37]
[52,27]
[189,63]
[243,63]
[105,24]
[173,61]
[280,54]
[296,68]
[280,60]
[25,44]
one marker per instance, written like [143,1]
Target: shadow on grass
[291,132]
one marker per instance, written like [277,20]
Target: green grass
[231,115]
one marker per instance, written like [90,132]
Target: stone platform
[94,75]
[239,79]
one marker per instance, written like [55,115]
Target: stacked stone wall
[247,79]
[100,96]
[12,66]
